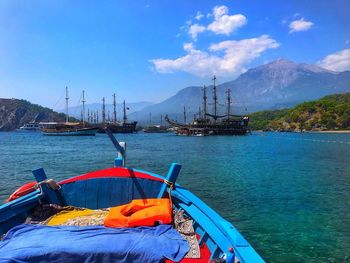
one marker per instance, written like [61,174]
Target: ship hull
[124,128]
[70,132]
[225,127]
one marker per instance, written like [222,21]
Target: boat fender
[23,190]
[31,187]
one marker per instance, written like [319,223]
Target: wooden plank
[91,192]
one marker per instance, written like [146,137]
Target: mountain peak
[282,62]
[285,64]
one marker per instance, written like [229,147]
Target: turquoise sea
[288,193]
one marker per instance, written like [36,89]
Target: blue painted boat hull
[118,186]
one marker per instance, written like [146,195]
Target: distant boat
[158,128]
[212,124]
[37,126]
[115,127]
[70,128]
[30,127]
[129,127]
[155,129]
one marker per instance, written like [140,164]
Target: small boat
[32,126]
[37,126]
[196,232]
[155,129]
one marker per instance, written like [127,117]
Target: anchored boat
[115,127]
[70,128]
[212,124]
[117,214]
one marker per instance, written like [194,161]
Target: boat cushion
[41,243]
[140,212]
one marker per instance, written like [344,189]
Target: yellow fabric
[68,213]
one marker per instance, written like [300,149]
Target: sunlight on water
[289,194]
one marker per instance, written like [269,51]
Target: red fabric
[112,172]
[205,256]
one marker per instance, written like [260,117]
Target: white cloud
[188,46]
[194,30]
[300,25]
[338,61]
[224,58]
[199,15]
[224,23]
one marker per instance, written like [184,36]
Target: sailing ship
[71,128]
[212,124]
[117,214]
[115,127]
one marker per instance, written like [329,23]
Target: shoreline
[331,131]
[328,131]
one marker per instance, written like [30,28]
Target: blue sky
[148,50]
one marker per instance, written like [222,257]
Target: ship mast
[124,113]
[215,99]
[161,120]
[150,118]
[205,102]
[83,112]
[228,103]
[184,115]
[114,110]
[67,98]
[103,110]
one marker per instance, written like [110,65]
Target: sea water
[288,193]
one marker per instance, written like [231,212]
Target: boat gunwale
[229,236]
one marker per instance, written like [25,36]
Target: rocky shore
[14,113]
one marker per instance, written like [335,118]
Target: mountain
[276,85]
[328,113]
[94,107]
[14,113]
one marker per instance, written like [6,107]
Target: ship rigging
[212,123]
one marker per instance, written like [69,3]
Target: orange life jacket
[140,212]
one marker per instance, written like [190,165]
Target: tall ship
[212,123]
[115,127]
[70,128]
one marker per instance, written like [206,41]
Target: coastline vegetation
[328,113]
